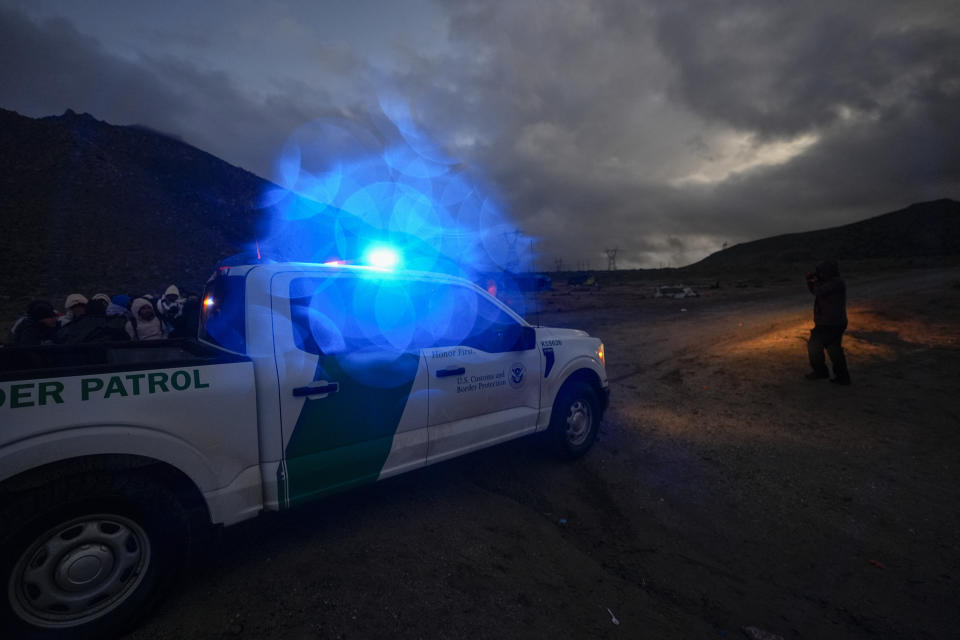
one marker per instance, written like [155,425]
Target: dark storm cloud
[782,68]
[664,129]
[610,104]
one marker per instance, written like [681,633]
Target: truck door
[352,394]
[484,374]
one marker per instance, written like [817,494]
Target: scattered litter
[613,618]
[562,522]
[759,634]
[878,564]
[683,310]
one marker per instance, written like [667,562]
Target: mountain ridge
[920,230]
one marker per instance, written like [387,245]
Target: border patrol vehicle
[305,380]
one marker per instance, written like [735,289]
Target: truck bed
[25,363]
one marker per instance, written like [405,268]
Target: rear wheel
[575,419]
[85,557]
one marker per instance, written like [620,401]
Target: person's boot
[842,379]
[817,375]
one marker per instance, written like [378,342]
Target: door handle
[446,373]
[333,387]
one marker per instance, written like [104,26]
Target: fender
[551,387]
[220,494]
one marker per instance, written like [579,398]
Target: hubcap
[579,422]
[78,571]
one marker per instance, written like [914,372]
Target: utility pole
[611,259]
[558,264]
[513,260]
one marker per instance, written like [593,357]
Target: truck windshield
[222,321]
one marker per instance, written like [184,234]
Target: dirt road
[725,492]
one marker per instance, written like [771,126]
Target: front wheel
[575,419]
[85,558]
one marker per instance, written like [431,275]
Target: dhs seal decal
[517,374]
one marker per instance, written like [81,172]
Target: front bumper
[604,400]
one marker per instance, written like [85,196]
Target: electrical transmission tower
[513,258]
[611,259]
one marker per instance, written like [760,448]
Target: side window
[344,313]
[347,313]
[316,310]
[458,315]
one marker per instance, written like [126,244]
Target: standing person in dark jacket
[829,323]
[39,326]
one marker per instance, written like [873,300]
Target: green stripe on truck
[343,440]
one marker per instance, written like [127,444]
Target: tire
[575,419]
[88,556]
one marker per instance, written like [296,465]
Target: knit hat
[40,309]
[102,296]
[74,299]
[121,299]
[172,289]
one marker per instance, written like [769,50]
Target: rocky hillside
[87,206]
[922,230]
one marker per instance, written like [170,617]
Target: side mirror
[513,337]
[528,339]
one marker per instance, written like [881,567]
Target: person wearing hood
[188,322]
[84,326]
[73,303]
[98,304]
[38,326]
[114,327]
[170,306]
[829,323]
[119,315]
[148,325]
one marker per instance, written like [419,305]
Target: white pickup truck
[305,380]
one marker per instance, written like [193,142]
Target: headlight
[602,355]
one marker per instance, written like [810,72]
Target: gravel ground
[726,495]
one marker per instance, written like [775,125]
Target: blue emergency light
[382,257]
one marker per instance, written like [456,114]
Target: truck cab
[374,372]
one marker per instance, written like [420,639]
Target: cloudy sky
[662,128]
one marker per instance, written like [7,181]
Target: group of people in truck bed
[103,318]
